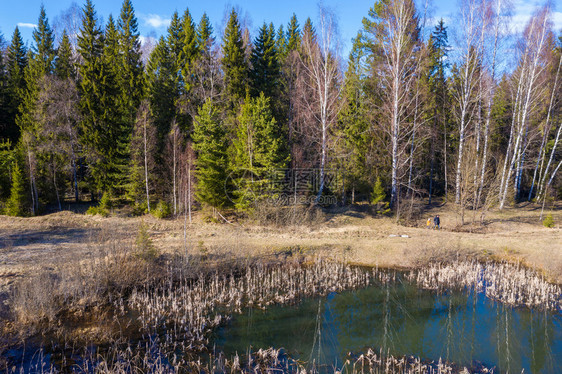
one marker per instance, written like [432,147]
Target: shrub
[548,221]
[17,201]
[377,198]
[145,248]
[103,207]
[162,210]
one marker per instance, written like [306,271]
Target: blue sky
[154,15]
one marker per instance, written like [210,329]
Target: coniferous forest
[226,121]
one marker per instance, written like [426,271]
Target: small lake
[466,329]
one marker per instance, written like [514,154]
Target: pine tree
[209,141]
[234,63]
[64,64]
[17,203]
[264,75]
[16,62]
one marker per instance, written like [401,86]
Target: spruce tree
[64,64]
[162,88]
[189,50]
[115,125]
[234,63]
[205,34]
[259,151]
[3,95]
[354,122]
[293,34]
[17,203]
[16,62]
[131,71]
[264,75]
[281,42]
[90,49]
[209,142]
[41,60]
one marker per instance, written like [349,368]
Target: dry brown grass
[353,235]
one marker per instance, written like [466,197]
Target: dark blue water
[461,328]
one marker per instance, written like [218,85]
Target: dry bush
[280,216]
[76,287]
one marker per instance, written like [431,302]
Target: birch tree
[529,90]
[320,63]
[392,30]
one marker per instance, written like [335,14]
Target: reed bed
[173,318]
[188,311]
[507,283]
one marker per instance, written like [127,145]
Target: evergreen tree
[281,42]
[293,34]
[92,98]
[354,122]
[17,203]
[205,34]
[162,88]
[16,62]
[259,150]
[209,141]
[234,63]
[64,64]
[131,71]
[264,75]
[189,50]
[115,125]
[3,94]
[438,108]
[41,60]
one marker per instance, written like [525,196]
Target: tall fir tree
[205,34]
[3,93]
[293,34]
[131,73]
[264,75]
[259,150]
[41,59]
[354,125]
[92,98]
[235,66]
[162,88]
[438,108]
[116,128]
[16,63]
[41,63]
[64,63]
[210,144]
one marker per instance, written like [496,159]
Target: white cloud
[156,21]
[524,9]
[25,24]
